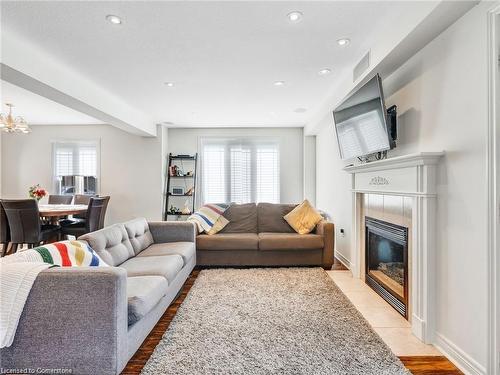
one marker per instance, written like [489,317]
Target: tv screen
[360,122]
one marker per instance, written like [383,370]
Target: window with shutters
[76,167]
[240,170]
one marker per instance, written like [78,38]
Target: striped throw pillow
[63,254]
[206,216]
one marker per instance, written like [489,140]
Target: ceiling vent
[361,67]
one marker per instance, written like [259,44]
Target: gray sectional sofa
[257,235]
[93,319]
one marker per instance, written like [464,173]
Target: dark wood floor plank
[421,365]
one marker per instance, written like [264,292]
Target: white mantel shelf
[421,158]
[412,176]
[408,175]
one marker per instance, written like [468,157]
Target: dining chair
[4,231]
[82,199]
[60,199]
[96,212]
[25,224]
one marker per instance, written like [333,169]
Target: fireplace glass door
[387,262]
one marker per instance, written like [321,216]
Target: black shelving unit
[187,181]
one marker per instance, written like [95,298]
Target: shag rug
[270,321]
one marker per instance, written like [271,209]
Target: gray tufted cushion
[111,244]
[139,234]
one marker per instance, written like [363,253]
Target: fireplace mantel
[408,175]
[411,176]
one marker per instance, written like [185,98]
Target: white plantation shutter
[239,170]
[240,174]
[214,179]
[87,161]
[267,159]
[64,161]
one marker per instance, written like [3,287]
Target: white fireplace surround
[410,176]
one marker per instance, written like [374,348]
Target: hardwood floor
[421,365]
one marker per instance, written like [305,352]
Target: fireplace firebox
[386,262]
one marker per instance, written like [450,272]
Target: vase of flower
[36,192]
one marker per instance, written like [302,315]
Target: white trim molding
[456,355]
[342,259]
[493,203]
[413,176]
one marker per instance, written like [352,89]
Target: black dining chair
[60,199]
[96,212]
[25,224]
[4,231]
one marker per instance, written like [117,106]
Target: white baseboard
[343,260]
[456,355]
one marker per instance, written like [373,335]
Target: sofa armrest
[172,231]
[74,318]
[327,230]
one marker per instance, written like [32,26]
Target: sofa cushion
[228,241]
[303,218]
[185,249]
[167,266]
[270,217]
[144,293]
[139,234]
[290,241]
[242,218]
[111,244]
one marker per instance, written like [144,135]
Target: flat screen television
[361,122]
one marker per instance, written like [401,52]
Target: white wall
[310,168]
[130,166]
[442,104]
[185,141]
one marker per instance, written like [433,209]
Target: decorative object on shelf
[36,192]
[182,168]
[173,210]
[177,190]
[186,210]
[11,124]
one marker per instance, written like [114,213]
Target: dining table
[52,212]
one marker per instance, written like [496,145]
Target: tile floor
[390,326]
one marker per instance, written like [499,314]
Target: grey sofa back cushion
[111,244]
[138,233]
[270,217]
[242,218]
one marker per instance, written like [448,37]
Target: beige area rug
[270,321]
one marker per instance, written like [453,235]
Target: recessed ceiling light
[279,83]
[295,16]
[324,71]
[115,20]
[343,42]
[169,84]
[300,110]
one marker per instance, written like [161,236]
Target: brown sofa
[257,235]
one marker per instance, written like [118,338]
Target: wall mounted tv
[363,125]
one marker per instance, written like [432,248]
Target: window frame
[75,144]
[253,144]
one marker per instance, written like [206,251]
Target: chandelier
[11,124]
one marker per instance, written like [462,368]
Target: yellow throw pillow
[219,224]
[303,218]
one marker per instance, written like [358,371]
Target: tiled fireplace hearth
[394,211]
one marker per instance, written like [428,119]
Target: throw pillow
[63,254]
[206,216]
[219,225]
[303,218]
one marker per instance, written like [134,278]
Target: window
[239,170]
[76,167]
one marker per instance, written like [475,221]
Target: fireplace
[386,262]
